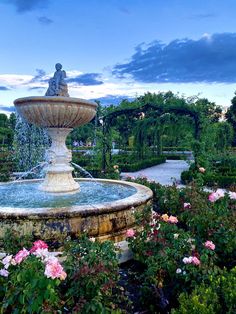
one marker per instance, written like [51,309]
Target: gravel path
[165,173]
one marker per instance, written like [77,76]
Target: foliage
[231,116]
[202,300]
[31,280]
[135,166]
[216,298]
[185,253]
[220,170]
[92,275]
[12,242]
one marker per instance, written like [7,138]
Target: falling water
[30,143]
[84,171]
[37,171]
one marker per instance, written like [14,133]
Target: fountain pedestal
[59,172]
[58,115]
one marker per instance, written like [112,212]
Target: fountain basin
[104,220]
[56,111]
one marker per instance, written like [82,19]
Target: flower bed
[184,262]
[187,249]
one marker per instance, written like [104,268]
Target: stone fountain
[58,114]
[60,206]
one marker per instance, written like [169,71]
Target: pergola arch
[151,110]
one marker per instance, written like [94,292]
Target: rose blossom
[201,169]
[212,197]
[178,271]
[38,245]
[195,261]
[130,233]
[232,195]
[4,272]
[209,245]
[220,193]
[54,270]
[21,255]
[165,217]
[215,196]
[173,220]
[41,253]
[187,260]
[187,205]
[7,261]
[191,260]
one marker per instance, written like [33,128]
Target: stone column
[59,172]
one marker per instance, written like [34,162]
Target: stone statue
[57,84]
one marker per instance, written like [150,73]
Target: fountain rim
[53,100]
[142,195]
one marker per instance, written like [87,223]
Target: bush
[92,270]
[219,296]
[136,166]
[31,281]
[202,300]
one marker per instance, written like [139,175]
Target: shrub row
[223,181]
[136,166]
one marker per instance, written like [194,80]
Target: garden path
[165,174]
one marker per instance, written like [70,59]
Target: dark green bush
[219,296]
[135,166]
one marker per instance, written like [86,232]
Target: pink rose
[38,245]
[201,169]
[212,197]
[195,261]
[232,195]
[187,205]
[172,220]
[21,255]
[4,272]
[54,270]
[215,196]
[130,233]
[209,245]
[191,260]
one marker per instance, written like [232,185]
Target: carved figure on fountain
[57,84]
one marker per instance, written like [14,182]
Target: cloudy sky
[113,49]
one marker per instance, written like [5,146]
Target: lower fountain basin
[53,217]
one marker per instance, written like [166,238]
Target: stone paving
[165,174]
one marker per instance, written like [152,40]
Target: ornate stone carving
[57,84]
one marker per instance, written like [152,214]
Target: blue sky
[118,48]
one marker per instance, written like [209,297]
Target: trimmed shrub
[142,164]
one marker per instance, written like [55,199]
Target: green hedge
[135,166]
[224,181]
[174,157]
[220,180]
[179,149]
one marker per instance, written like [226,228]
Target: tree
[231,117]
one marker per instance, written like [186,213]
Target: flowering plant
[92,269]
[31,280]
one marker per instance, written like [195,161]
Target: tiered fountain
[60,206]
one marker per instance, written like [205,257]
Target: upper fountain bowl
[56,111]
